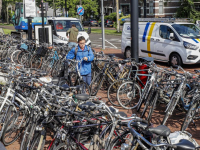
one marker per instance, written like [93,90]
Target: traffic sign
[80,11]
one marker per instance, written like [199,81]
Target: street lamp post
[134,29]
[102,25]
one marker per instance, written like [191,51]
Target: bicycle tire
[153,107]
[130,95]
[48,65]
[141,101]
[19,56]
[56,68]
[99,79]
[168,112]
[8,128]
[28,135]
[25,60]
[148,102]
[36,141]
[112,94]
[36,61]
[14,56]
[189,116]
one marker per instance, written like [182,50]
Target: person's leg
[84,78]
[88,78]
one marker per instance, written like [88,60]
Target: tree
[90,6]
[187,10]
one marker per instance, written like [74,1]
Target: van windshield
[187,30]
[64,25]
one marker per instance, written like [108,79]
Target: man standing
[73,33]
[84,52]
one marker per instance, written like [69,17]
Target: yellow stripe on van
[198,40]
[149,38]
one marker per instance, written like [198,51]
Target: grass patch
[7,31]
[110,32]
[5,24]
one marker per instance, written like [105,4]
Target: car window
[165,32]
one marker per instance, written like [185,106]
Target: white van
[176,43]
[60,25]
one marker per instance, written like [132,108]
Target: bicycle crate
[41,51]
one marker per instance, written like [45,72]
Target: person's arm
[90,55]
[71,54]
[68,31]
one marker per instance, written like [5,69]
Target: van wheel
[175,60]
[128,53]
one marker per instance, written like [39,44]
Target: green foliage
[186,10]
[90,6]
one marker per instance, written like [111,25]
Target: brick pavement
[174,123]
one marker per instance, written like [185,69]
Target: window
[151,7]
[64,25]
[165,32]
[160,7]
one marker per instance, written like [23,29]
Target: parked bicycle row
[33,107]
[45,105]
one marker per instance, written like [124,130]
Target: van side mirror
[89,30]
[171,36]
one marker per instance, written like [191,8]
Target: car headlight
[190,46]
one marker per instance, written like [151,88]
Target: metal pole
[102,25]
[117,11]
[80,15]
[29,29]
[53,9]
[134,29]
[43,34]
[65,8]
[145,8]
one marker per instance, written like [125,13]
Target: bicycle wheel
[169,110]
[14,56]
[25,60]
[57,68]
[129,94]
[148,102]
[19,56]
[28,136]
[194,108]
[112,92]
[152,107]
[36,61]
[48,65]
[96,84]
[13,128]
[142,99]
[38,142]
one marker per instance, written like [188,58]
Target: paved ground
[111,41]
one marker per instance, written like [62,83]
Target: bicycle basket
[41,51]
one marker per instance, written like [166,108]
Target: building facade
[154,8]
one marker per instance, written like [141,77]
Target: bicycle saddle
[161,130]
[65,87]
[185,145]
[87,105]
[82,97]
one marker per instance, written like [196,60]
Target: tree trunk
[0,6]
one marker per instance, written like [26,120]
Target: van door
[126,37]
[147,39]
[164,45]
